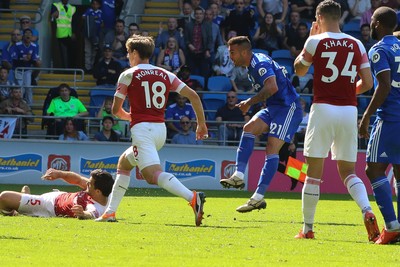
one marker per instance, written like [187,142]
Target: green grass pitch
[157,229]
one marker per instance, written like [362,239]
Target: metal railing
[15,12]
[63,70]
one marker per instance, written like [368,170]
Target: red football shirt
[337,59]
[147,89]
[64,202]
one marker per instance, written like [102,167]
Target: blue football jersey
[263,67]
[385,56]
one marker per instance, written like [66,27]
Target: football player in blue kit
[384,142]
[279,120]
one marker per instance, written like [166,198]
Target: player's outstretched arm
[69,177]
[202,131]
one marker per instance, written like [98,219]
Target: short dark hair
[365,25]
[120,21]
[108,118]
[329,9]
[64,85]
[302,24]
[240,40]
[144,45]
[386,16]
[103,181]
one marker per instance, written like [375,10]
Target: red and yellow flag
[296,169]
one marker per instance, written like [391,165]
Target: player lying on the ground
[89,203]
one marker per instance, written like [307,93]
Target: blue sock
[383,197]
[268,172]
[244,151]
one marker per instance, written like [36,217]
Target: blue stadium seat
[352,25]
[257,50]
[219,84]
[212,102]
[198,78]
[97,98]
[281,53]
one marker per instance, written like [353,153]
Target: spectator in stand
[26,23]
[175,112]
[108,9]
[217,17]
[278,8]
[240,80]
[5,84]
[366,16]
[6,59]
[238,20]
[226,7]
[268,36]
[63,106]
[216,33]
[133,28]
[184,75]
[302,34]
[223,64]
[171,31]
[345,10]
[107,133]
[231,131]
[306,9]
[172,57]
[26,54]
[63,15]
[358,7]
[71,133]
[117,39]
[198,39]
[93,22]
[195,4]
[366,39]
[187,11]
[105,111]
[290,30]
[107,71]
[15,105]
[186,136]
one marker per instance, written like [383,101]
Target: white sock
[358,192]
[119,188]
[170,183]
[310,196]
[257,196]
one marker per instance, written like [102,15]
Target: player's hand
[244,106]
[315,29]
[78,211]
[363,127]
[51,174]
[201,131]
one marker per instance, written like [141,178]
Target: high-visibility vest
[64,20]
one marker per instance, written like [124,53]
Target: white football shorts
[39,205]
[147,139]
[332,128]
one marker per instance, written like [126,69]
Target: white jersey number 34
[348,69]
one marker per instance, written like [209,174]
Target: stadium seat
[198,78]
[211,104]
[311,69]
[219,84]
[96,99]
[257,50]
[281,53]
[352,25]
[242,97]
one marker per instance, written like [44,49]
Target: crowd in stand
[192,44]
